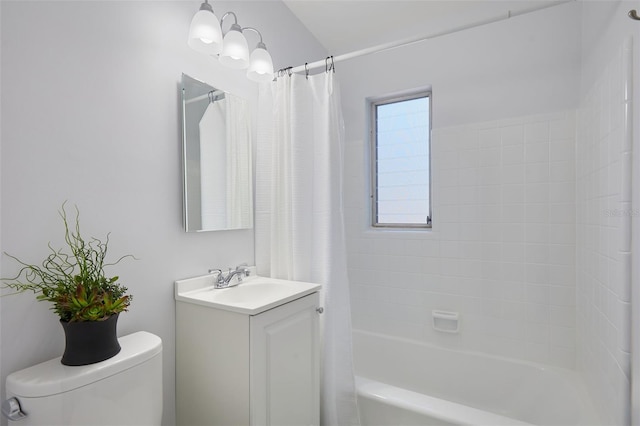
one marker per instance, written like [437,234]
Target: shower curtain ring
[328,67]
[306,70]
[634,15]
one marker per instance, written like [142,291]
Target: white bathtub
[402,382]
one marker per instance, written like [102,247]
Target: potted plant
[86,300]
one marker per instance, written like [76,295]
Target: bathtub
[403,382]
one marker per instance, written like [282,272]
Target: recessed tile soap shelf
[446,322]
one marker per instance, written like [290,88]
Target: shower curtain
[299,219]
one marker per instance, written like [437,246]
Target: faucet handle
[218,272]
[244,268]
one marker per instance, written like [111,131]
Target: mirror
[216,139]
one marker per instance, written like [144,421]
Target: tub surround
[501,252]
[604,236]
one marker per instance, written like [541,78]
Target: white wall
[501,251]
[604,297]
[91,114]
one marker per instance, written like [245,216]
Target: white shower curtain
[299,219]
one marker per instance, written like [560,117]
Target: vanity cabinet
[239,369]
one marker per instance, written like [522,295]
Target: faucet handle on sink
[244,268]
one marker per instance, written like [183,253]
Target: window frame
[373,146]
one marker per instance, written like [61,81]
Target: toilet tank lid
[51,377]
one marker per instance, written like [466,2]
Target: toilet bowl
[125,390]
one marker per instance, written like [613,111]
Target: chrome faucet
[224,281]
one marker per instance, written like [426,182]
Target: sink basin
[252,296]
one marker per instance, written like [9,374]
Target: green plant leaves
[74,281]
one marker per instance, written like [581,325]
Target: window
[401,178]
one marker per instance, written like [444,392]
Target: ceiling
[343,26]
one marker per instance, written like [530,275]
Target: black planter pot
[89,342]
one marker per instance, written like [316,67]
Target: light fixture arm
[234,26]
[260,43]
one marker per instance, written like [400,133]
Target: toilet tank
[123,390]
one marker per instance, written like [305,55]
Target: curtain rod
[417,39]
[210,95]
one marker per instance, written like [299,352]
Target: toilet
[125,390]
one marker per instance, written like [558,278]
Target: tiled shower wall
[603,240]
[501,252]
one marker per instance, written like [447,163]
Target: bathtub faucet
[224,281]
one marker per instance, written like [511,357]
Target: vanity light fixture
[235,50]
[206,36]
[260,64]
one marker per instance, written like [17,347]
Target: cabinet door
[285,364]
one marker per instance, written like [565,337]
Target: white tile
[563,337]
[561,171]
[562,150]
[448,178]
[490,176]
[512,174]
[537,253]
[537,153]
[538,294]
[564,316]
[468,195]
[513,272]
[489,137]
[491,251]
[514,291]
[537,193]
[489,213]
[512,154]
[490,194]
[562,192]
[430,248]
[491,270]
[449,249]
[562,275]
[512,135]
[489,157]
[537,274]
[537,213]
[562,129]
[448,160]
[563,297]
[468,176]
[562,357]
[537,233]
[561,234]
[536,332]
[513,252]
[562,254]
[538,314]
[468,213]
[537,173]
[538,131]
[562,213]
[513,232]
[513,213]
[513,193]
